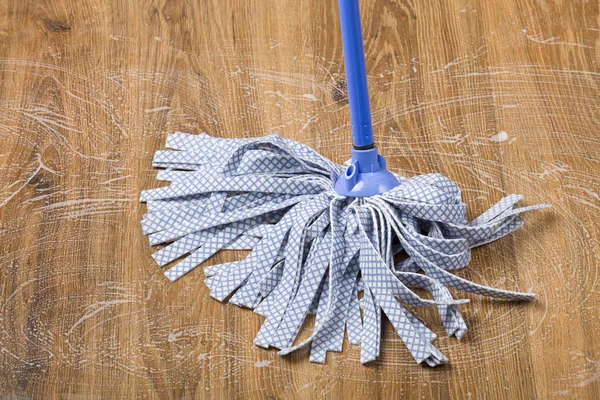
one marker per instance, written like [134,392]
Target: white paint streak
[96,308]
[263,363]
[157,109]
[551,40]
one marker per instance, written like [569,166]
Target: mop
[324,239]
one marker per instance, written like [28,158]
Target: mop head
[314,251]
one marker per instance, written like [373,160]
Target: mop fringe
[313,251]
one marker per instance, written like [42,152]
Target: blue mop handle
[356,74]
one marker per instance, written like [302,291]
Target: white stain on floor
[501,136]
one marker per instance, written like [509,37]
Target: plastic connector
[366,176]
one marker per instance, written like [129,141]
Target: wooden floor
[500,96]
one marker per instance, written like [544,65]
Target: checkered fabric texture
[313,251]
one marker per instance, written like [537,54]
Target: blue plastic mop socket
[366,176]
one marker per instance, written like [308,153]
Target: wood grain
[502,97]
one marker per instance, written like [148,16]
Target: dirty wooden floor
[500,96]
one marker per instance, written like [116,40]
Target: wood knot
[339,92]
[55,26]
[39,182]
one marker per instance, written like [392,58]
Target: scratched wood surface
[502,97]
